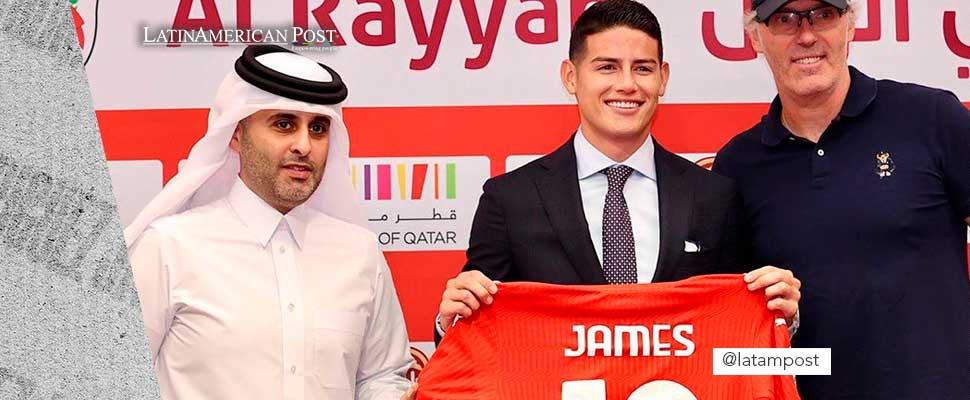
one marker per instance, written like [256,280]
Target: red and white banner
[445,93]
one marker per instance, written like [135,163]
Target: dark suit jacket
[530,224]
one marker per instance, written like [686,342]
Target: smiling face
[282,155]
[806,62]
[618,81]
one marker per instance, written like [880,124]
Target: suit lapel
[558,188]
[676,201]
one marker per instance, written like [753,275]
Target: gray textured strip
[44,25]
[71,323]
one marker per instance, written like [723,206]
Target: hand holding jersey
[470,290]
[781,288]
[464,294]
[636,342]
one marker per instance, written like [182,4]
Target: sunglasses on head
[789,22]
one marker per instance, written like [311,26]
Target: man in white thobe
[255,277]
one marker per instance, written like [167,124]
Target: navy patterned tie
[619,253]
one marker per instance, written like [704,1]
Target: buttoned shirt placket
[289,284]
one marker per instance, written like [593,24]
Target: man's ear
[664,77]
[755,37]
[234,142]
[850,36]
[567,72]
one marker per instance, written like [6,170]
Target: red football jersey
[638,342]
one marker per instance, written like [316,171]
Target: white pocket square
[691,247]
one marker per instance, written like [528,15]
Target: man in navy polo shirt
[862,188]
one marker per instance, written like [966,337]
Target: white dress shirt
[640,192]
[242,302]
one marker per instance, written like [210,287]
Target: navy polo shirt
[871,219]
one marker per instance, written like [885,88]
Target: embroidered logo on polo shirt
[884,165]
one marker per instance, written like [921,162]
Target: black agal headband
[288,74]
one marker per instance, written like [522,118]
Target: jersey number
[655,390]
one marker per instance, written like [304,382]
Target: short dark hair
[608,14]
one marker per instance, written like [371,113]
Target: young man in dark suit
[611,205]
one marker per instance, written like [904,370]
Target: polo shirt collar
[862,92]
